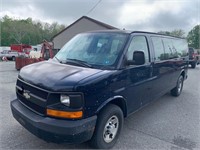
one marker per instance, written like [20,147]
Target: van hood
[54,76]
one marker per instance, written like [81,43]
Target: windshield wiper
[78,62]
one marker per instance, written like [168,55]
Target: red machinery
[46,53]
[21,48]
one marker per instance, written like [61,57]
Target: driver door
[138,83]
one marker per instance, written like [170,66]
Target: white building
[83,24]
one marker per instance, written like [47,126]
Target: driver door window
[138,43]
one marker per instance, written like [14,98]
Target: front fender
[118,100]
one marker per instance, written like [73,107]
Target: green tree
[5,34]
[164,32]
[193,37]
[176,32]
[19,30]
[26,31]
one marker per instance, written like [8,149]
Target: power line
[94,7]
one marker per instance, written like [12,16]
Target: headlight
[72,100]
[64,99]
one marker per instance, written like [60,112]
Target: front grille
[34,107]
[37,99]
[33,89]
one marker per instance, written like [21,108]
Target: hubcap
[180,85]
[110,129]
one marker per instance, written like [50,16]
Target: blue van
[96,80]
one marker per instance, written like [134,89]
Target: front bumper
[52,129]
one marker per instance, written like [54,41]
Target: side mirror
[138,58]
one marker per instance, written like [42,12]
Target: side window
[170,50]
[138,43]
[181,47]
[5,52]
[158,48]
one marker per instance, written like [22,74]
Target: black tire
[13,58]
[105,127]
[179,86]
[193,64]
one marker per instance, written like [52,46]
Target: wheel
[108,128]
[193,64]
[179,86]
[13,58]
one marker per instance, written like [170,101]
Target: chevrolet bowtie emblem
[26,94]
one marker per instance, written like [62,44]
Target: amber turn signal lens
[64,114]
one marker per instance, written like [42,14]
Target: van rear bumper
[52,129]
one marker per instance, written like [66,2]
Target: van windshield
[97,50]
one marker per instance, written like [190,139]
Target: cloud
[22,9]
[154,15]
[108,12]
[68,11]
[64,11]
[159,15]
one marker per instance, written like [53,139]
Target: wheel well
[121,103]
[183,74]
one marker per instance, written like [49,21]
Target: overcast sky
[147,15]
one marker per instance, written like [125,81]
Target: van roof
[130,32]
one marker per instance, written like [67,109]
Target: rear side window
[158,48]
[181,47]
[170,48]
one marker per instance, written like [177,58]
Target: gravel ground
[168,123]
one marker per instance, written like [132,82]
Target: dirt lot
[169,123]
